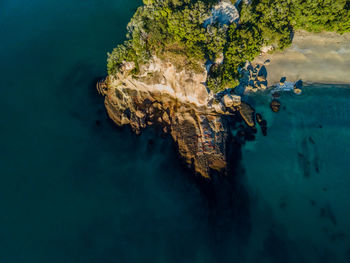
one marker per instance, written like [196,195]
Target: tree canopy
[174,30]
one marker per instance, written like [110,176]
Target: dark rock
[276,94]
[259,118]
[262,123]
[298,84]
[201,134]
[254,130]
[247,113]
[275,105]
[327,212]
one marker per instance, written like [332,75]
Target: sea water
[75,188]
[299,173]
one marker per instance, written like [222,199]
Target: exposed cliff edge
[180,103]
[157,76]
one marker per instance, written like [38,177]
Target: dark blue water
[75,188]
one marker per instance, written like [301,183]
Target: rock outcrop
[178,102]
[224,13]
[275,105]
[255,78]
[229,100]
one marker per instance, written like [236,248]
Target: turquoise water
[75,188]
[299,174]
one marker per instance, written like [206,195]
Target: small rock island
[185,67]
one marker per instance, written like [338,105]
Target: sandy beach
[316,58]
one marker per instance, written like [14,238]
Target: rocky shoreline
[178,102]
[199,121]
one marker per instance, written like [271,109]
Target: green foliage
[262,23]
[173,30]
[119,54]
[216,81]
[243,45]
[317,16]
[185,28]
[272,22]
[215,41]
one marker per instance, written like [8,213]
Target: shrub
[173,30]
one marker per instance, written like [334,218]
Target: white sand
[317,58]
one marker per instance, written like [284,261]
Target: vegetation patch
[174,30]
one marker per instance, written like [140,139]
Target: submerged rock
[259,118]
[262,123]
[276,94]
[275,105]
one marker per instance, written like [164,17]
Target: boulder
[259,118]
[165,118]
[261,78]
[275,105]
[247,113]
[263,86]
[219,107]
[297,91]
[249,88]
[231,100]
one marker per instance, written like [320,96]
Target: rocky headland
[182,68]
[178,102]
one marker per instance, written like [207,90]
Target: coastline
[313,57]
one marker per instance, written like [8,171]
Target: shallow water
[74,188]
[299,173]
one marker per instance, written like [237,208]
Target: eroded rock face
[224,13]
[178,102]
[229,100]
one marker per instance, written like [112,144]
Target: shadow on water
[76,78]
[143,203]
[225,199]
[276,247]
[223,209]
[209,217]
[124,160]
[327,213]
[308,157]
